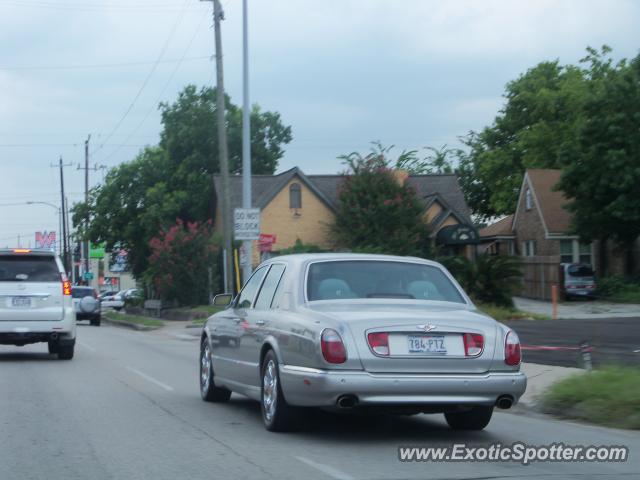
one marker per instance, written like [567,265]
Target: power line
[101,65]
[95,7]
[146,80]
[166,85]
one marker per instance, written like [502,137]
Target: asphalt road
[614,340]
[127,407]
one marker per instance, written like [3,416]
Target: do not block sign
[246,223]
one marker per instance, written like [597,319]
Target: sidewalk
[580,308]
[541,377]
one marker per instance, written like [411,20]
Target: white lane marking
[150,379]
[326,469]
[88,347]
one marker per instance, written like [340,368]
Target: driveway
[580,308]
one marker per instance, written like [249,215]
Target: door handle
[260,322]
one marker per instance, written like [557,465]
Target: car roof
[27,252]
[302,258]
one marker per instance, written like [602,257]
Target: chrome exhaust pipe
[346,402]
[504,401]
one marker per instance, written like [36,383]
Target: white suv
[35,301]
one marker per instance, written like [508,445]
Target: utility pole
[218,15]
[86,200]
[64,222]
[246,136]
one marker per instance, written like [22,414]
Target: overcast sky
[342,73]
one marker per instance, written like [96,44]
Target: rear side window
[81,292]
[28,269]
[580,271]
[249,291]
[268,290]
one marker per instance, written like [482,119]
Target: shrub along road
[614,340]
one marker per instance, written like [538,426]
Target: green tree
[174,180]
[602,175]
[539,121]
[376,213]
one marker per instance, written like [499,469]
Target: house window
[572,251]
[584,253]
[527,199]
[529,248]
[295,196]
[566,251]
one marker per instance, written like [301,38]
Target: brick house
[298,206]
[540,233]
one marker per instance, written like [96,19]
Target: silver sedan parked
[359,332]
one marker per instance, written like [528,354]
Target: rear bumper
[87,316]
[321,388]
[24,332]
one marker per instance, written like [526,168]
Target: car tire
[53,347]
[117,309]
[96,321]
[208,389]
[475,419]
[65,352]
[277,414]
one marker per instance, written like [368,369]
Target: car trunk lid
[423,337]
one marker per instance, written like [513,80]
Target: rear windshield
[81,292]
[28,269]
[580,271]
[379,279]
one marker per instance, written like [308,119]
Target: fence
[538,274]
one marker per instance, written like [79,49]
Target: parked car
[577,280]
[354,332]
[86,304]
[113,300]
[35,301]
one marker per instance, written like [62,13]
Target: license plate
[21,302]
[427,344]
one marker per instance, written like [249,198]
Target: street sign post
[246,225]
[88,275]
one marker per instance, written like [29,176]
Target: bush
[300,247]
[376,213]
[488,279]
[180,262]
[617,288]
[609,286]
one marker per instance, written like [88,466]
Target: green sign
[88,275]
[96,251]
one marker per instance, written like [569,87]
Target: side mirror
[223,300]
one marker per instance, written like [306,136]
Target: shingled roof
[501,228]
[550,202]
[265,187]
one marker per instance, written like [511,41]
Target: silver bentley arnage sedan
[359,332]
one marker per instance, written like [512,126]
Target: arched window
[295,196]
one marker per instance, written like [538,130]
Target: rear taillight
[333,349]
[379,343]
[512,354]
[473,344]
[66,284]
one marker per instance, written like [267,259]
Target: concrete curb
[130,325]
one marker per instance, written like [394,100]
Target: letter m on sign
[46,240]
